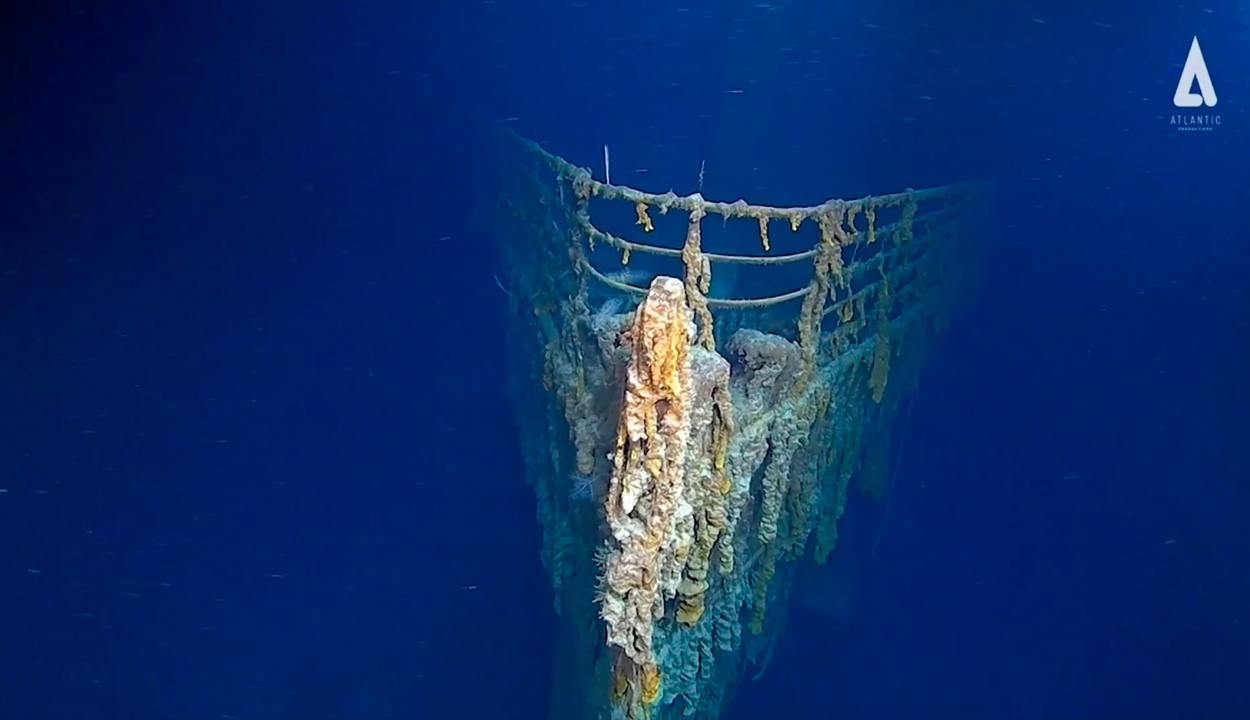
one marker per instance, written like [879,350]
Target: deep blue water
[256,458]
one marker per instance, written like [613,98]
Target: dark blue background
[254,441]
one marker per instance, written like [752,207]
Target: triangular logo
[1195,69]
